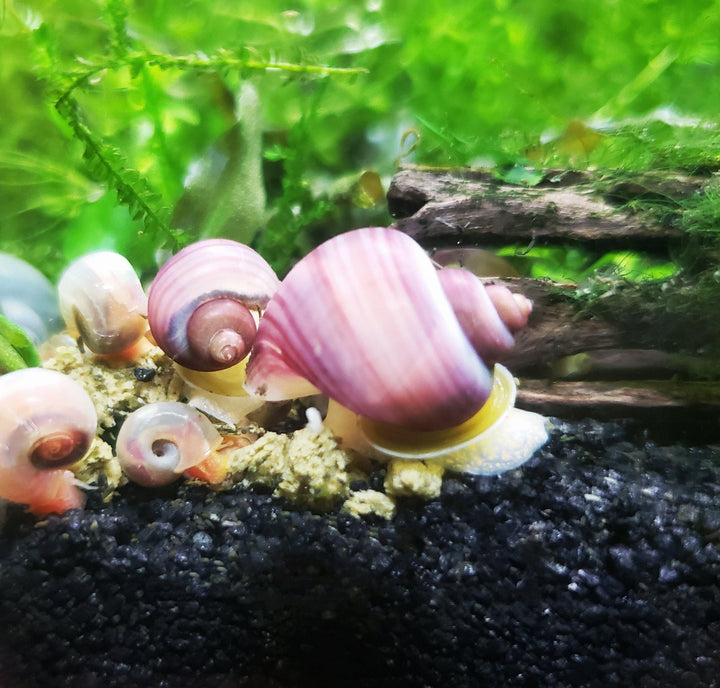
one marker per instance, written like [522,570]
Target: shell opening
[166,453]
[162,447]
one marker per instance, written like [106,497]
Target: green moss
[678,315]
[113,102]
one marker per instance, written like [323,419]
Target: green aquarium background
[140,126]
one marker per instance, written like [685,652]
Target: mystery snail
[367,320]
[203,308]
[204,303]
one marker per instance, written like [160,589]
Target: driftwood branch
[444,207]
[671,409]
[573,363]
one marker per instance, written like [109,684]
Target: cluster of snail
[404,353]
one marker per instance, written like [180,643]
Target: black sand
[596,564]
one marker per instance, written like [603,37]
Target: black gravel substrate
[596,564]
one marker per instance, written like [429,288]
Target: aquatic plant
[148,93]
[16,349]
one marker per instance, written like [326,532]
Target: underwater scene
[359,343]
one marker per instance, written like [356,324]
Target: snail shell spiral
[47,423]
[160,441]
[204,303]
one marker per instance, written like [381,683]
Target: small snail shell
[47,422]
[201,303]
[103,302]
[364,319]
[28,299]
[160,441]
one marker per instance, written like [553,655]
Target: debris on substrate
[596,564]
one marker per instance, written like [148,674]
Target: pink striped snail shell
[204,303]
[203,308]
[103,303]
[47,423]
[403,352]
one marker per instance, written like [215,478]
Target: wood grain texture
[444,207]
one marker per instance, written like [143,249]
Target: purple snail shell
[204,303]
[365,319]
[159,441]
[103,303]
[47,423]
[403,352]
[488,315]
